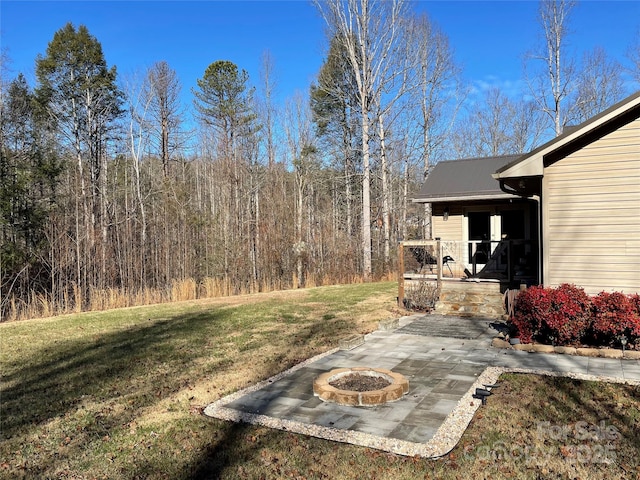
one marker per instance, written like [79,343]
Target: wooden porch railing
[509,261]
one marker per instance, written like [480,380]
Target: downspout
[536,198]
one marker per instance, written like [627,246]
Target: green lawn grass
[119,394]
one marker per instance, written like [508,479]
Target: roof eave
[532,164]
[464,198]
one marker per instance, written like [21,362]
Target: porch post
[401,275]
[509,263]
[439,262]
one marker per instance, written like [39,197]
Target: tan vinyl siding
[452,229]
[591,209]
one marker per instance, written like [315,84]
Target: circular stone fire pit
[396,386]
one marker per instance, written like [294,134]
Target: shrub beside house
[567,316]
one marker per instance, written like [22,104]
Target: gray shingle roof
[466,179]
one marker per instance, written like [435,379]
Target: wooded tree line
[110,196]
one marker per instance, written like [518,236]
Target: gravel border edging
[444,440]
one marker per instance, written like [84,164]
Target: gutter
[463,198]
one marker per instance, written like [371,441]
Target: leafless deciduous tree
[369,30]
[599,84]
[138,134]
[498,126]
[438,97]
[163,96]
[552,83]
[633,54]
[300,141]
[267,110]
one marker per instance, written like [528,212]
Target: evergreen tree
[335,109]
[79,94]
[224,100]
[29,174]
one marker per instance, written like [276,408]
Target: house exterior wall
[591,215]
[451,231]
[452,228]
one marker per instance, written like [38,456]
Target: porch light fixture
[445,215]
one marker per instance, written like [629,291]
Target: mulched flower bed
[360,383]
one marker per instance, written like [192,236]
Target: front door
[513,224]
[479,238]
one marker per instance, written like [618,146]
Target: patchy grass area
[119,394]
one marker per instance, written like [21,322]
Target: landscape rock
[500,343]
[542,348]
[588,352]
[610,353]
[566,350]
[351,342]
[390,324]
[524,347]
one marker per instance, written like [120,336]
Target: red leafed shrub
[552,315]
[531,306]
[635,301]
[613,315]
[635,320]
[566,315]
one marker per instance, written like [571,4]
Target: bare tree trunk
[162,92]
[366,202]
[349,195]
[553,86]
[405,196]
[268,82]
[369,30]
[300,245]
[386,207]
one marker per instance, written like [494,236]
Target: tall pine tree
[79,93]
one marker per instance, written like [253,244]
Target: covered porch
[509,262]
[478,232]
[465,278]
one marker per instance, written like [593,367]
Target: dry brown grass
[74,301]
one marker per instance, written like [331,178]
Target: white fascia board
[529,167]
[467,198]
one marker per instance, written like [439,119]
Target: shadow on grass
[603,415]
[600,421]
[225,456]
[145,362]
[118,374]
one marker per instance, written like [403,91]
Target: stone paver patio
[444,359]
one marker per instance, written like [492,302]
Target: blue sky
[489,38]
